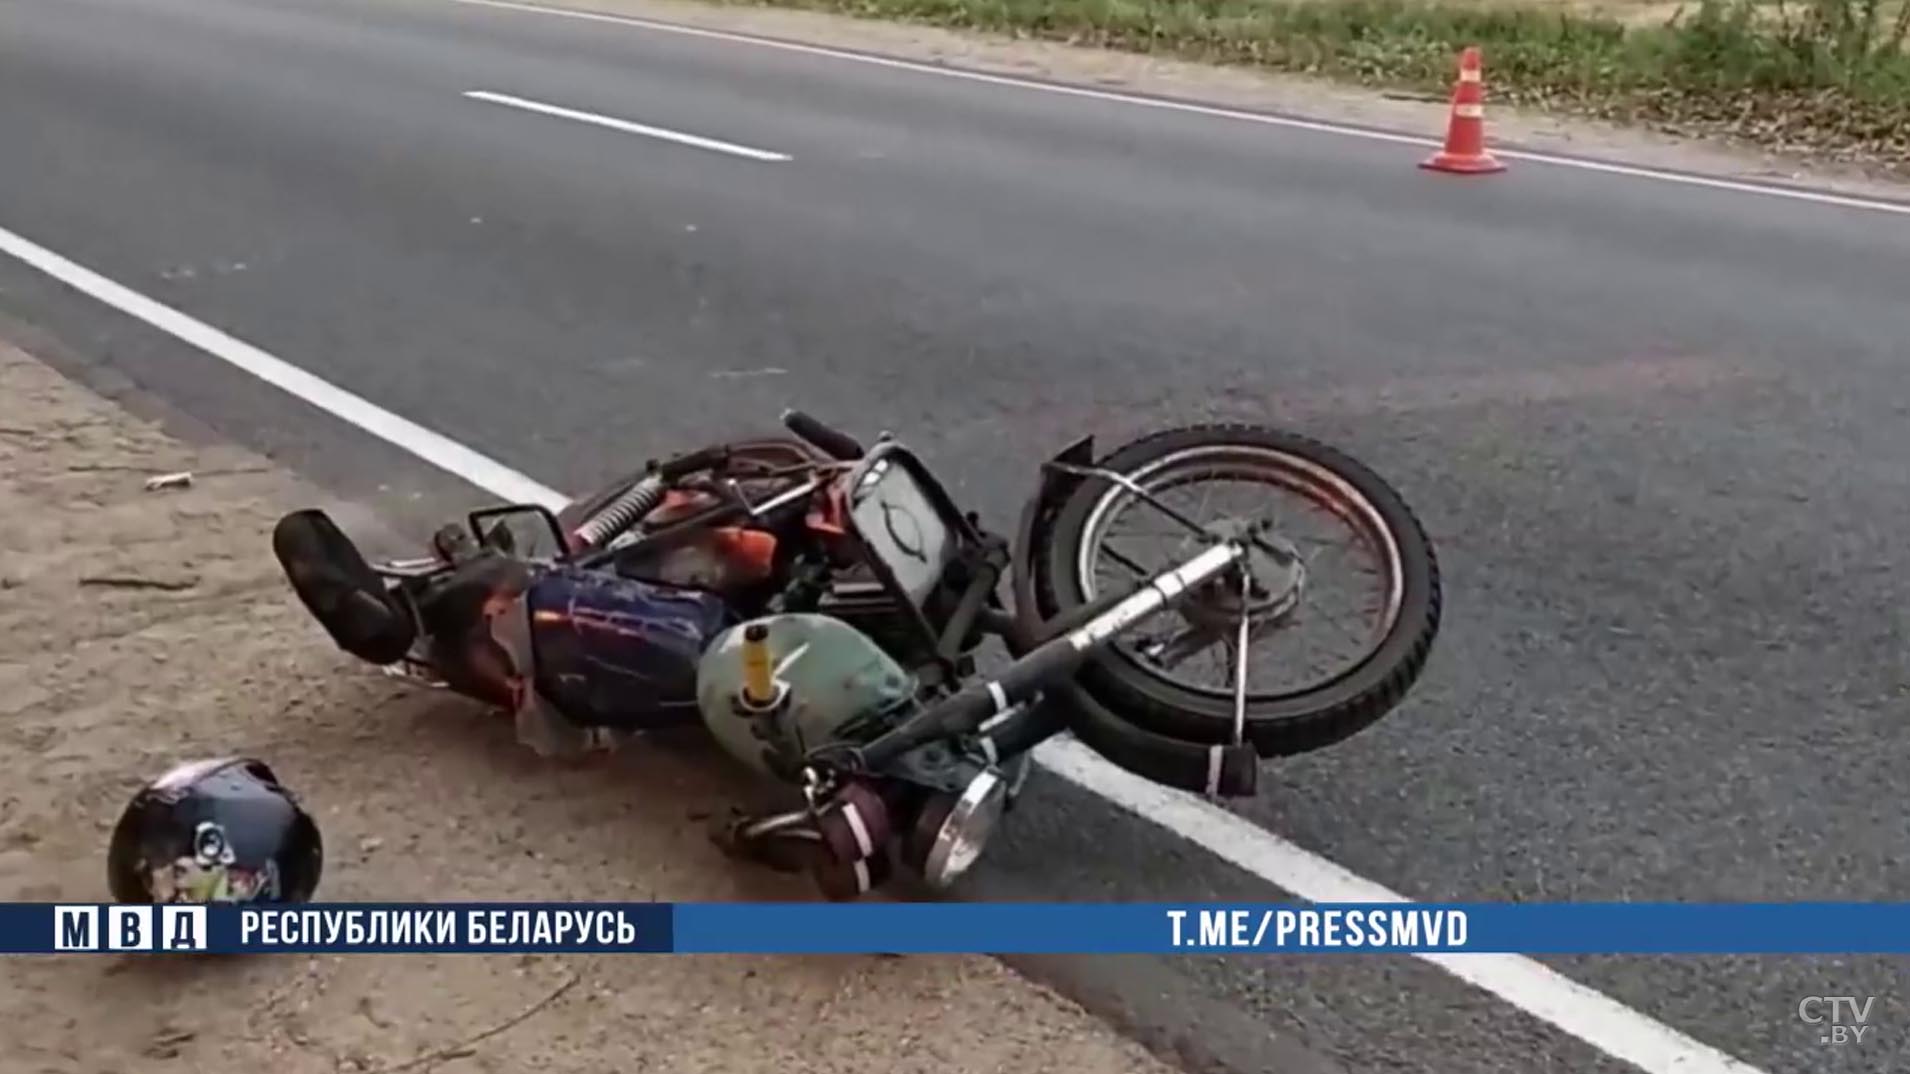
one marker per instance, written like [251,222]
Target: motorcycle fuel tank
[831,678]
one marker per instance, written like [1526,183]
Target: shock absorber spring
[611,520]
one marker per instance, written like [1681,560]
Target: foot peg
[340,589]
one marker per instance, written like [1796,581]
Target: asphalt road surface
[1658,429]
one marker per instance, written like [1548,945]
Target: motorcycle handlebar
[832,441]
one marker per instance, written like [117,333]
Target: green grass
[1826,76]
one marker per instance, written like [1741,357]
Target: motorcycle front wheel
[1318,668]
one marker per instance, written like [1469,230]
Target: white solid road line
[626,126]
[1820,197]
[1524,983]
[1592,1017]
[485,473]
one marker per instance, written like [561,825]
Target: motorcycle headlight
[967,822]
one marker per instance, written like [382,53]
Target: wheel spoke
[1224,489]
[1135,568]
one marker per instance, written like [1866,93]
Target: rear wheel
[1316,666]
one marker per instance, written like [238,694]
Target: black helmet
[219,830]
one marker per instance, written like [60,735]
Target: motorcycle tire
[1276,725]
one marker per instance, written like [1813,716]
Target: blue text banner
[956,927]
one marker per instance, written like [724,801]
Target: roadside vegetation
[1826,77]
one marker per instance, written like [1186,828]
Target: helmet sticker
[210,873]
[209,846]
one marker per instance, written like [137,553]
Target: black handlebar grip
[833,442]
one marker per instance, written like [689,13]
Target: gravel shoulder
[140,627]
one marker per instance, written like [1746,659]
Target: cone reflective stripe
[1465,149]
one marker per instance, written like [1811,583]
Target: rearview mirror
[526,531]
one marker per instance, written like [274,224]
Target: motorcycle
[820,608]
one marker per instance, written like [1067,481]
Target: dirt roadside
[1241,87]
[140,627]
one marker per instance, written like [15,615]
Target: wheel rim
[1271,644]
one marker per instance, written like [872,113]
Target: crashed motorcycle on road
[820,607]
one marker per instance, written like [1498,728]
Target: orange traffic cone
[1465,151]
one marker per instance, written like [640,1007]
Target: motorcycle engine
[835,683]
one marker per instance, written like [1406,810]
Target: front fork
[910,783]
